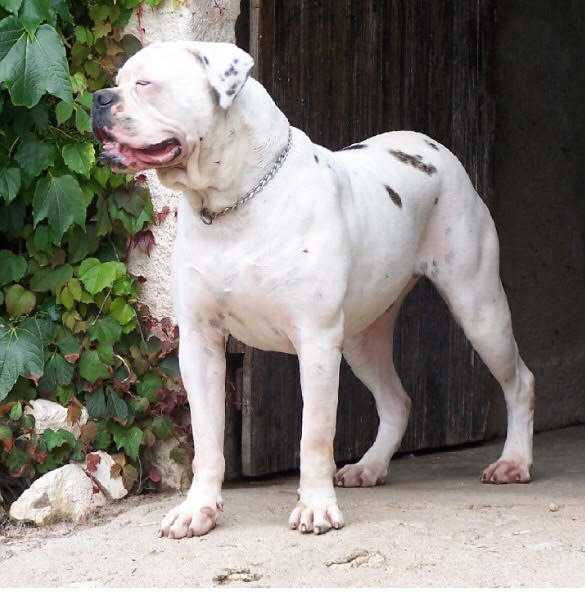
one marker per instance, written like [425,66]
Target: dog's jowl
[291,247]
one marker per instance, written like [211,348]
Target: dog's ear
[227,67]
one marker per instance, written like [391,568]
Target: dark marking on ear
[351,147]
[316,158]
[432,145]
[436,201]
[205,60]
[232,90]
[394,196]
[231,71]
[414,161]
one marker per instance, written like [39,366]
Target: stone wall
[200,20]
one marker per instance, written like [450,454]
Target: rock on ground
[106,473]
[51,415]
[174,476]
[66,493]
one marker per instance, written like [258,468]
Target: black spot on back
[353,147]
[394,196]
[432,144]
[316,158]
[414,161]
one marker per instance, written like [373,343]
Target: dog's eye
[142,83]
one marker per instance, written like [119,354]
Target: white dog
[291,247]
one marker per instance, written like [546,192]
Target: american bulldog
[291,247]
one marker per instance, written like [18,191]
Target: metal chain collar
[208,216]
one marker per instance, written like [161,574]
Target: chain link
[208,216]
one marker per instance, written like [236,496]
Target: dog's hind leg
[461,257]
[370,356]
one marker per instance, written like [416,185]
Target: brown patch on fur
[414,161]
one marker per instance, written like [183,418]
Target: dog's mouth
[126,157]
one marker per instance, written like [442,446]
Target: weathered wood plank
[343,70]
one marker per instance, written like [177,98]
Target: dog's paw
[190,519]
[506,471]
[316,519]
[361,475]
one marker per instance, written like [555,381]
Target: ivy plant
[71,328]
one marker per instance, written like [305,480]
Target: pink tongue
[165,154]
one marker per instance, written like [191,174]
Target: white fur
[316,264]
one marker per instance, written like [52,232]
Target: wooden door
[344,70]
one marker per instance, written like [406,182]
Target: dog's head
[166,99]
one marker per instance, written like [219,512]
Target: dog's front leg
[202,362]
[319,358]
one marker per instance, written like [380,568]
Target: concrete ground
[434,524]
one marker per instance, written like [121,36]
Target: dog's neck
[239,149]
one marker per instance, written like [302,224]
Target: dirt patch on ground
[433,524]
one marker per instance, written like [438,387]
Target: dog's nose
[103,98]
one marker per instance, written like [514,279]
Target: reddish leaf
[5,408]
[73,413]
[115,471]
[154,474]
[129,476]
[144,240]
[71,357]
[87,434]
[34,378]
[92,461]
[35,453]
[141,279]
[161,216]
[7,443]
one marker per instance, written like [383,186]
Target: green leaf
[105,331]
[12,267]
[5,432]
[16,460]
[11,5]
[61,201]
[36,65]
[69,346]
[9,183]
[81,243]
[34,156]
[63,111]
[33,13]
[149,385]
[91,367]
[96,275]
[51,279]
[82,120]
[103,440]
[22,351]
[96,405]
[79,157]
[117,407]
[16,411]
[55,439]
[128,439]
[57,373]
[121,311]
[10,31]
[19,301]
[162,427]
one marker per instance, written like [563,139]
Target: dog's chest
[256,291]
